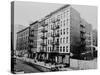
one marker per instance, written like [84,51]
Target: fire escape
[82,37]
[55,41]
[43,43]
[31,42]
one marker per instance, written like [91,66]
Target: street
[23,67]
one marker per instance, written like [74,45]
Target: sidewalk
[83,64]
[43,64]
[74,65]
[33,61]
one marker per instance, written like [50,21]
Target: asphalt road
[21,67]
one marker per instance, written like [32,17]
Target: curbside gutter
[37,66]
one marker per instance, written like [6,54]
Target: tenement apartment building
[32,46]
[22,41]
[59,34]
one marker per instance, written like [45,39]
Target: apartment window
[66,48]
[48,48]
[60,48]
[67,30]
[63,31]
[57,40]
[48,41]
[57,48]
[49,20]
[58,16]
[64,40]
[64,22]
[61,16]
[89,43]
[58,23]
[89,33]
[50,34]
[61,23]
[64,14]
[63,48]
[67,20]
[48,27]
[51,26]
[60,40]
[89,38]
[57,31]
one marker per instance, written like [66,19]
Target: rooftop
[22,29]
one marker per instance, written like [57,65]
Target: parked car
[87,55]
[54,69]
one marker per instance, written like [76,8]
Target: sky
[28,12]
